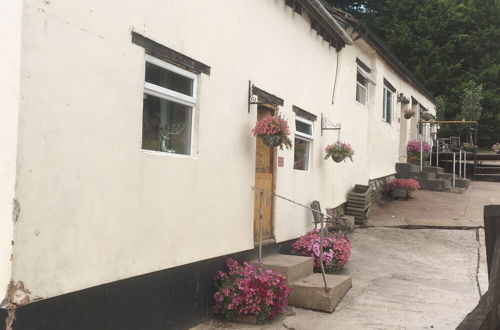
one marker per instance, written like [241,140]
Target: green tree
[471,101]
[446,44]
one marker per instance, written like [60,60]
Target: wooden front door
[264,179]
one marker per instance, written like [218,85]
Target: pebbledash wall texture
[111,236]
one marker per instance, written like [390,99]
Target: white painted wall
[10,64]
[97,209]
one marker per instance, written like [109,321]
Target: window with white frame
[388,101]
[168,107]
[302,144]
[362,80]
[361,89]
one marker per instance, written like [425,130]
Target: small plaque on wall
[281,161]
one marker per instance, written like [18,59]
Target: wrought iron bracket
[252,98]
[259,96]
[328,125]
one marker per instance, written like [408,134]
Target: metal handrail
[321,236]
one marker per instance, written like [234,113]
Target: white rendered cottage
[127,159]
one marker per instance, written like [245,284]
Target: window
[362,80]
[168,107]
[388,103]
[302,144]
[361,89]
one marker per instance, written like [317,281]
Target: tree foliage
[446,44]
[471,101]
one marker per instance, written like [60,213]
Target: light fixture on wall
[403,99]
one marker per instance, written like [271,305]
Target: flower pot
[401,193]
[337,159]
[408,115]
[273,140]
[415,156]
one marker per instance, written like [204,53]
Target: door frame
[272,239]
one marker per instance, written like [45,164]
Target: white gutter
[332,23]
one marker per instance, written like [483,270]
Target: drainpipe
[332,23]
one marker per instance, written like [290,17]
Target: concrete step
[310,292]
[457,190]
[435,184]
[434,169]
[292,267]
[462,183]
[446,176]
[422,175]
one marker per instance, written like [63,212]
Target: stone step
[309,292]
[403,169]
[290,266]
[434,169]
[446,176]
[457,190]
[418,175]
[435,184]
[462,183]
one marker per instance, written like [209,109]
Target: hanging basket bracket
[328,125]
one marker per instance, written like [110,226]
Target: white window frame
[384,106]
[171,95]
[305,137]
[369,80]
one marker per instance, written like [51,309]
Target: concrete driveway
[420,264]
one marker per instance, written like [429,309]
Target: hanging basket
[272,140]
[338,159]
[408,115]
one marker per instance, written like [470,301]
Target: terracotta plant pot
[402,193]
[274,140]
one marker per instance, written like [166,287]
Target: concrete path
[408,278]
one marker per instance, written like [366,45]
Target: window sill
[385,122]
[167,154]
[360,104]
[301,171]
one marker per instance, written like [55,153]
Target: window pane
[301,154]
[388,106]
[362,80]
[360,94]
[166,126]
[168,79]
[303,127]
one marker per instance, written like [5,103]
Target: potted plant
[425,116]
[408,113]
[339,151]
[336,250]
[248,294]
[402,188]
[413,150]
[496,147]
[274,131]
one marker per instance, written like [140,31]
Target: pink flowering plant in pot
[402,188]
[339,151]
[274,131]
[336,250]
[496,147]
[247,291]
[413,150]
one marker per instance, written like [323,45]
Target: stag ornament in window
[166,133]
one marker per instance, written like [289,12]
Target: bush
[245,290]
[336,249]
